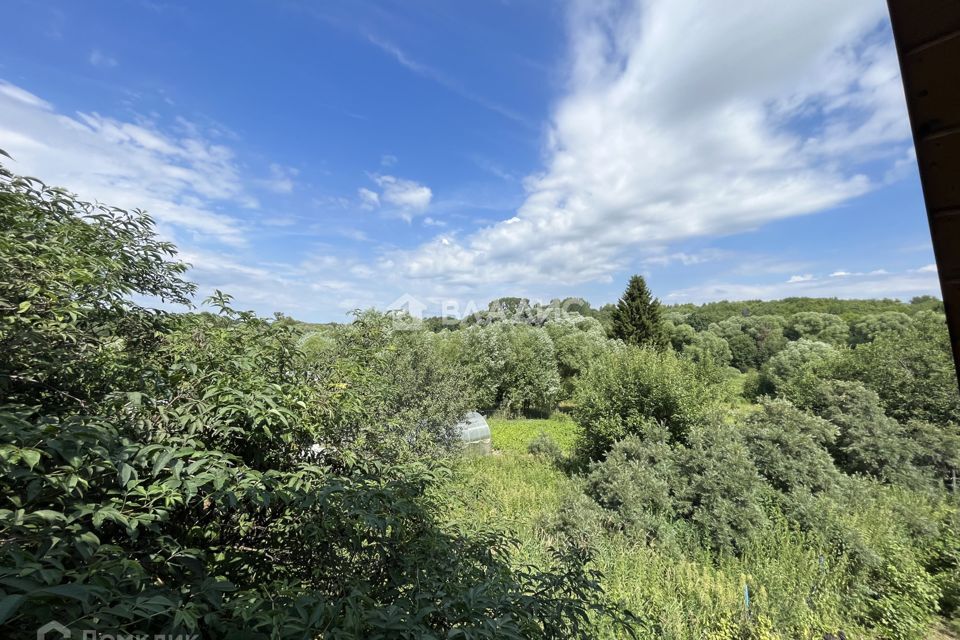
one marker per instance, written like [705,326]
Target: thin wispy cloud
[876,284]
[98,58]
[445,81]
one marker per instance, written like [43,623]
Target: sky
[314,158]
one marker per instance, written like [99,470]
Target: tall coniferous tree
[637,316]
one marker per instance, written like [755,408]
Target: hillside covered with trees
[782,469]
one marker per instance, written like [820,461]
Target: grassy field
[677,595]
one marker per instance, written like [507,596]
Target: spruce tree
[637,316]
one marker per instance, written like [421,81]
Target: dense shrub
[870,327]
[868,442]
[639,481]
[822,327]
[792,370]
[788,446]
[911,370]
[626,389]
[510,368]
[723,497]
[708,346]
[752,339]
[419,392]
[577,341]
[544,446]
[710,487]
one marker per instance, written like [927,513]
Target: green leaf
[9,604]
[31,457]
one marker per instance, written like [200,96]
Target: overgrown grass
[795,591]
[516,435]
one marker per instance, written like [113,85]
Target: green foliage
[419,392]
[911,370]
[516,436]
[627,389]
[544,446]
[702,316]
[868,328]
[752,339]
[68,330]
[640,480]
[788,447]
[510,368]
[680,335]
[637,318]
[868,442]
[822,327]
[578,342]
[796,367]
[711,485]
[707,346]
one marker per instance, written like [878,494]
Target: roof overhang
[927,35]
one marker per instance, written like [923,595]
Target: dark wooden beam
[927,34]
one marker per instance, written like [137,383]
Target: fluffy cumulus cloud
[405,198]
[688,118]
[180,177]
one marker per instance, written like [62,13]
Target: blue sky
[313,158]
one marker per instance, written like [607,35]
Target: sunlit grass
[516,435]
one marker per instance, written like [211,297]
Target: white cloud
[368,199]
[683,119]
[281,179]
[451,84]
[433,222]
[181,180]
[13,92]
[99,59]
[807,277]
[406,196]
[929,268]
[686,259]
[388,160]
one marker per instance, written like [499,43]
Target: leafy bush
[578,341]
[869,327]
[510,368]
[708,346]
[711,485]
[868,442]
[791,371]
[822,327]
[626,389]
[911,370]
[544,446]
[788,446]
[752,339]
[639,480]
